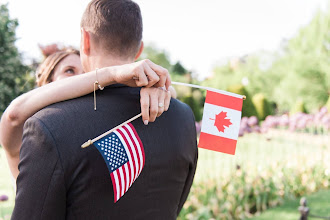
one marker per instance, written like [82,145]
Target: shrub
[244,194]
[14,75]
[298,107]
[328,105]
[189,100]
[248,107]
[262,106]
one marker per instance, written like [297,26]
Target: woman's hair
[45,71]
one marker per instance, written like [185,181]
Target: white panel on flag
[210,112]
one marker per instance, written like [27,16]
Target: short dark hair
[115,24]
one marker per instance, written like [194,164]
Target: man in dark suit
[60,180]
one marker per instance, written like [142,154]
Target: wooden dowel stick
[211,89]
[90,142]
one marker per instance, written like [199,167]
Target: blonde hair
[45,71]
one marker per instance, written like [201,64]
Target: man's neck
[105,61]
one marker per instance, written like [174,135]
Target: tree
[193,97]
[179,69]
[157,56]
[13,73]
[299,70]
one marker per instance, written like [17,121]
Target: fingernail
[146,122]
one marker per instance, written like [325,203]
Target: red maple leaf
[221,121]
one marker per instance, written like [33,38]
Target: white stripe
[133,150]
[127,176]
[117,184]
[210,111]
[138,147]
[121,175]
[128,154]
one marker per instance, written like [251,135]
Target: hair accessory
[96,83]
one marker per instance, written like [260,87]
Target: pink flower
[3,198]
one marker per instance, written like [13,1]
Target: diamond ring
[160,105]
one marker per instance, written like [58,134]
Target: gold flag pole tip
[87,143]
[244,97]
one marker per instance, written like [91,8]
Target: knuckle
[144,104]
[154,111]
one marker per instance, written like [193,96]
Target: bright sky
[199,33]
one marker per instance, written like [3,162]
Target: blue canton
[113,151]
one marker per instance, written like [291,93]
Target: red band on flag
[125,180]
[114,187]
[139,140]
[217,143]
[134,162]
[226,101]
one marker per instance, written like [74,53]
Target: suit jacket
[60,180]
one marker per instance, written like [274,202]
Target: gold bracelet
[98,85]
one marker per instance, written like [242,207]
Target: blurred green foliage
[193,97]
[262,106]
[299,106]
[248,107]
[328,104]
[243,194]
[15,77]
[266,170]
[299,70]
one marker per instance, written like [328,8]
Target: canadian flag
[221,122]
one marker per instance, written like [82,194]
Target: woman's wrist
[107,76]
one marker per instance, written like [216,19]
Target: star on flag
[123,154]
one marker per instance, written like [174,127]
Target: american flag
[123,153]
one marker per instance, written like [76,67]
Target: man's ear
[85,41]
[140,51]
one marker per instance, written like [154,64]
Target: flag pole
[90,142]
[211,89]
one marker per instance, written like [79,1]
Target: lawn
[318,203]
[255,152]
[259,151]
[6,187]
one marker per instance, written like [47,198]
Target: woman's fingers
[154,101]
[161,101]
[141,79]
[167,100]
[164,76]
[153,112]
[144,100]
[153,78]
[142,74]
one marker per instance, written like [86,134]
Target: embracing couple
[42,130]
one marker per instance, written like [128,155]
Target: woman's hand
[142,73]
[154,101]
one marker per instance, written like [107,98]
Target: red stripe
[136,149]
[120,183]
[124,173]
[114,187]
[129,174]
[130,151]
[226,101]
[134,163]
[216,143]
[140,142]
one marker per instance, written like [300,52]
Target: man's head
[111,28]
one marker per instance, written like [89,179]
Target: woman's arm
[142,73]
